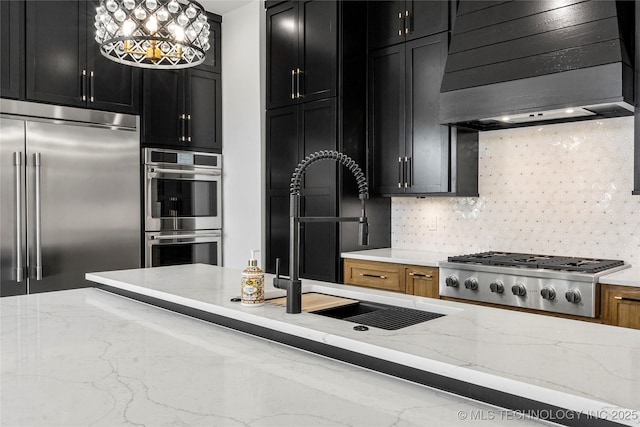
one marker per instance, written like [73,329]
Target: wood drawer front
[621,306]
[374,275]
[422,281]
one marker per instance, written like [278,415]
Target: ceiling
[223,6]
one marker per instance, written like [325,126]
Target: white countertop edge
[394,260]
[399,256]
[627,277]
[461,373]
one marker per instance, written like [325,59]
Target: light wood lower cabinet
[620,306]
[410,279]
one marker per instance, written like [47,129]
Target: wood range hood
[523,63]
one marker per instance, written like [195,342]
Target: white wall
[242,132]
[561,190]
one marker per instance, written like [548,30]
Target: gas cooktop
[550,262]
[559,284]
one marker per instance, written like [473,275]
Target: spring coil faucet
[293,285]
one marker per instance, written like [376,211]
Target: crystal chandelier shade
[152,33]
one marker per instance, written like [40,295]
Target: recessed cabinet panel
[386,117]
[282,44]
[56,59]
[204,110]
[213,57]
[427,142]
[11,49]
[386,23]
[162,107]
[282,147]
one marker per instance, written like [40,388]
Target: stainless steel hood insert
[532,61]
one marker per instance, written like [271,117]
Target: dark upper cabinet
[411,152]
[11,49]
[302,44]
[393,22]
[293,133]
[182,109]
[213,57]
[66,67]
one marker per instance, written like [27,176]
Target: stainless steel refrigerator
[69,195]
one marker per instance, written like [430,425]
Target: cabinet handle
[407,180]
[91,87]
[188,127]
[298,72]
[183,126]
[376,276]
[400,169]
[426,276]
[407,22]
[84,85]
[293,84]
[627,299]
[400,23]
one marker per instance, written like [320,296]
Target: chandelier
[152,33]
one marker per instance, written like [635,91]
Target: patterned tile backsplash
[562,190]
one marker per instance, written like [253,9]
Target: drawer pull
[627,299]
[373,275]
[426,276]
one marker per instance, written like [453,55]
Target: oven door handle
[214,172]
[185,236]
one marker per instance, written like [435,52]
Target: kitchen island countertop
[627,277]
[86,357]
[583,367]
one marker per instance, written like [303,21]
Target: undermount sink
[379,315]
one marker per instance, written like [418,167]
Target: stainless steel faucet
[293,285]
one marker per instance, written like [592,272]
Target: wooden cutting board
[314,302]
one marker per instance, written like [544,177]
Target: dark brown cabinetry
[411,153]
[323,118]
[182,109]
[11,49]
[392,22]
[66,67]
[302,43]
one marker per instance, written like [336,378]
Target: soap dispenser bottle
[252,288]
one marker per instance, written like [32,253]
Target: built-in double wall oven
[182,207]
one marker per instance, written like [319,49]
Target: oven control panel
[558,295]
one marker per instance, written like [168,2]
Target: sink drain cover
[393,318]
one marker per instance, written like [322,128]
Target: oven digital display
[185,158]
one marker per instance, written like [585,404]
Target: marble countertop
[627,277]
[576,365]
[400,256]
[87,357]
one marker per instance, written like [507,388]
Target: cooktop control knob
[452,281]
[519,290]
[573,295]
[497,286]
[548,293]
[471,283]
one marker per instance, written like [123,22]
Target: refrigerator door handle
[38,268]
[17,161]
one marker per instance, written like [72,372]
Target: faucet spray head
[363,225]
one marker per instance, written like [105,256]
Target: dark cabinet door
[426,18]
[11,49]
[302,46]
[162,108]
[213,57]
[281,159]
[282,54]
[204,110]
[55,52]
[318,131]
[317,50]
[386,23]
[386,118]
[426,141]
